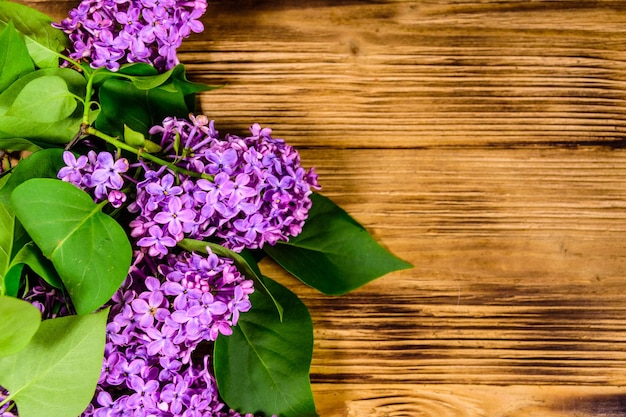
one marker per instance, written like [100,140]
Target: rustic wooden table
[483,141]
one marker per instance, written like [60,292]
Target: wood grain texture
[482,141]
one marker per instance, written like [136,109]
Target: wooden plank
[470,401]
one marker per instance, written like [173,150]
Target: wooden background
[482,141]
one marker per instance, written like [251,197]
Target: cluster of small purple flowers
[156,325]
[109,33]
[257,194]
[240,192]
[100,174]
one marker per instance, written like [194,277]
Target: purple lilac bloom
[98,173]
[155,325]
[255,191]
[111,33]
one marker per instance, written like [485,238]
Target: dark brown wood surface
[482,141]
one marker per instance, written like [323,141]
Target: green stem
[88,94]
[143,154]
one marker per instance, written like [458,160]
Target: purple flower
[239,304]
[124,370]
[116,198]
[175,217]
[145,392]
[161,341]
[108,171]
[157,243]
[224,161]
[163,189]
[73,171]
[208,308]
[174,394]
[150,309]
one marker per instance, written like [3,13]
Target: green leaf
[42,40]
[12,239]
[30,255]
[124,104]
[38,131]
[148,82]
[20,238]
[142,101]
[126,71]
[46,99]
[56,374]
[76,84]
[14,59]
[42,164]
[146,77]
[245,264]
[19,321]
[133,138]
[88,248]
[7,225]
[13,280]
[334,254]
[188,88]
[263,367]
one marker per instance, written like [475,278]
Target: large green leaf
[56,374]
[45,163]
[19,321]
[88,248]
[334,253]
[76,84]
[42,40]
[46,99]
[17,122]
[263,367]
[14,59]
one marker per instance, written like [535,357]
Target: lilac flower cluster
[108,33]
[156,325]
[98,173]
[255,191]
[239,192]
[160,317]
